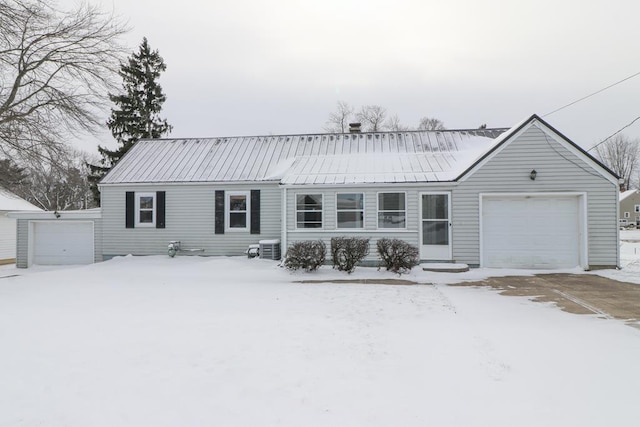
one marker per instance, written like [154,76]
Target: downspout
[283,248]
[618,266]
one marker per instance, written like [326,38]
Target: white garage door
[62,243]
[531,232]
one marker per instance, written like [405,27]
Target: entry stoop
[444,267]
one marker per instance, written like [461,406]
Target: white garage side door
[531,232]
[62,243]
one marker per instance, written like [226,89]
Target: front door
[435,226]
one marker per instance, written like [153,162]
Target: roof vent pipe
[354,127]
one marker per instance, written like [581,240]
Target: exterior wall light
[533,175]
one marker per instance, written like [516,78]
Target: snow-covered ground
[629,258]
[189,341]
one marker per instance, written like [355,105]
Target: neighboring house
[630,208]
[525,197]
[10,202]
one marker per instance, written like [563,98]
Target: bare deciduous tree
[620,154]
[339,120]
[56,69]
[429,123]
[60,183]
[393,123]
[372,117]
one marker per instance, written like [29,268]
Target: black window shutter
[130,209]
[219,212]
[160,214]
[255,211]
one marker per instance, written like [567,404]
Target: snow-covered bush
[308,254]
[346,252]
[397,255]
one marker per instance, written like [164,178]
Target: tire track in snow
[493,365]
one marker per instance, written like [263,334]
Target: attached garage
[62,242]
[533,230]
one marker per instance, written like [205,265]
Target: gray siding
[559,170]
[22,243]
[370,230]
[189,219]
[97,240]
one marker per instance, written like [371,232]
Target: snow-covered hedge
[397,255]
[346,252]
[308,254]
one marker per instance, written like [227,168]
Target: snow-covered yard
[191,341]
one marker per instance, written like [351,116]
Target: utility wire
[615,133]
[592,94]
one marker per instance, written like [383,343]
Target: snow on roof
[330,158]
[627,193]
[11,202]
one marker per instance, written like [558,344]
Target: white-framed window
[238,208]
[308,210]
[637,208]
[623,222]
[350,210]
[392,210]
[627,214]
[145,209]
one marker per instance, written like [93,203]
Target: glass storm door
[435,227]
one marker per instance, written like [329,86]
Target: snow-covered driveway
[234,342]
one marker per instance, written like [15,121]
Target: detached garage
[59,238]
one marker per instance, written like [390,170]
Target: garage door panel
[63,243]
[531,232]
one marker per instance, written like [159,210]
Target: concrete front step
[444,267]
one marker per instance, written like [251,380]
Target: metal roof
[412,156]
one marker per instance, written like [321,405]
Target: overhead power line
[615,133]
[592,94]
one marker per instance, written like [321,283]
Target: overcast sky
[251,67]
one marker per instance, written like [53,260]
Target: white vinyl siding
[7,237]
[189,217]
[558,170]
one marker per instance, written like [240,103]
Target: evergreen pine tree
[137,112]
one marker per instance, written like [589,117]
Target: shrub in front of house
[308,254]
[346,252]
[397,255]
